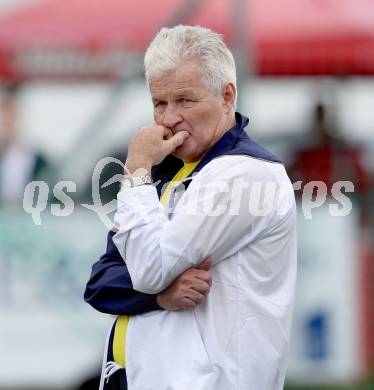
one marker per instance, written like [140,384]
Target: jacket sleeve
[110,290]
[214,217]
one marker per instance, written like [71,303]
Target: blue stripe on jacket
[109,289]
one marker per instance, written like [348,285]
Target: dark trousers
[118,380]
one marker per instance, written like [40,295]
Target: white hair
[172,46]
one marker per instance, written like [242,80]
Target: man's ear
[229,96]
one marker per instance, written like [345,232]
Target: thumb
[176,140]
[206,264]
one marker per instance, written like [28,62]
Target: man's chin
[178,155]
[185,153]
[181,152]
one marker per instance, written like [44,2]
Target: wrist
[159,301]
[138,166]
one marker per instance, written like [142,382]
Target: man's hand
[188,289]
[151,145]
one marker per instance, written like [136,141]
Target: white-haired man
[218,194]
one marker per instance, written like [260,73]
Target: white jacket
[237,338]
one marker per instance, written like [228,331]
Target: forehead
[186,79]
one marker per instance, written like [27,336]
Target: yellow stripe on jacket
[184,172]
[120,329]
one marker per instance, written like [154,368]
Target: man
[227,218]
[18,163]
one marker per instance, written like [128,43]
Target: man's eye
[159,105]
[186,102]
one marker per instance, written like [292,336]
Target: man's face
[181,102]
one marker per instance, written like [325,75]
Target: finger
[188,303]
[206,264]
[201,291]
[201,286]
[176,140]
[194,296]
[203,275]
[167,133]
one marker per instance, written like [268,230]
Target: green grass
[366,386]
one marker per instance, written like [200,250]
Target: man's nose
[171,116]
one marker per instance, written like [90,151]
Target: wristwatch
[135,181]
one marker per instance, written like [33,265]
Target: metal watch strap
[135,181]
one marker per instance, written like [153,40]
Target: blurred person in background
[328,158]
[204,302]
[18,164]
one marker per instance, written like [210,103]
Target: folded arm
[210,219]
[110,290]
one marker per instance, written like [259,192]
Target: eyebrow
[181,92]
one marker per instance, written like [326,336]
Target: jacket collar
[226,143]
[234,142]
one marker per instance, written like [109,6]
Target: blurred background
[72,92]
